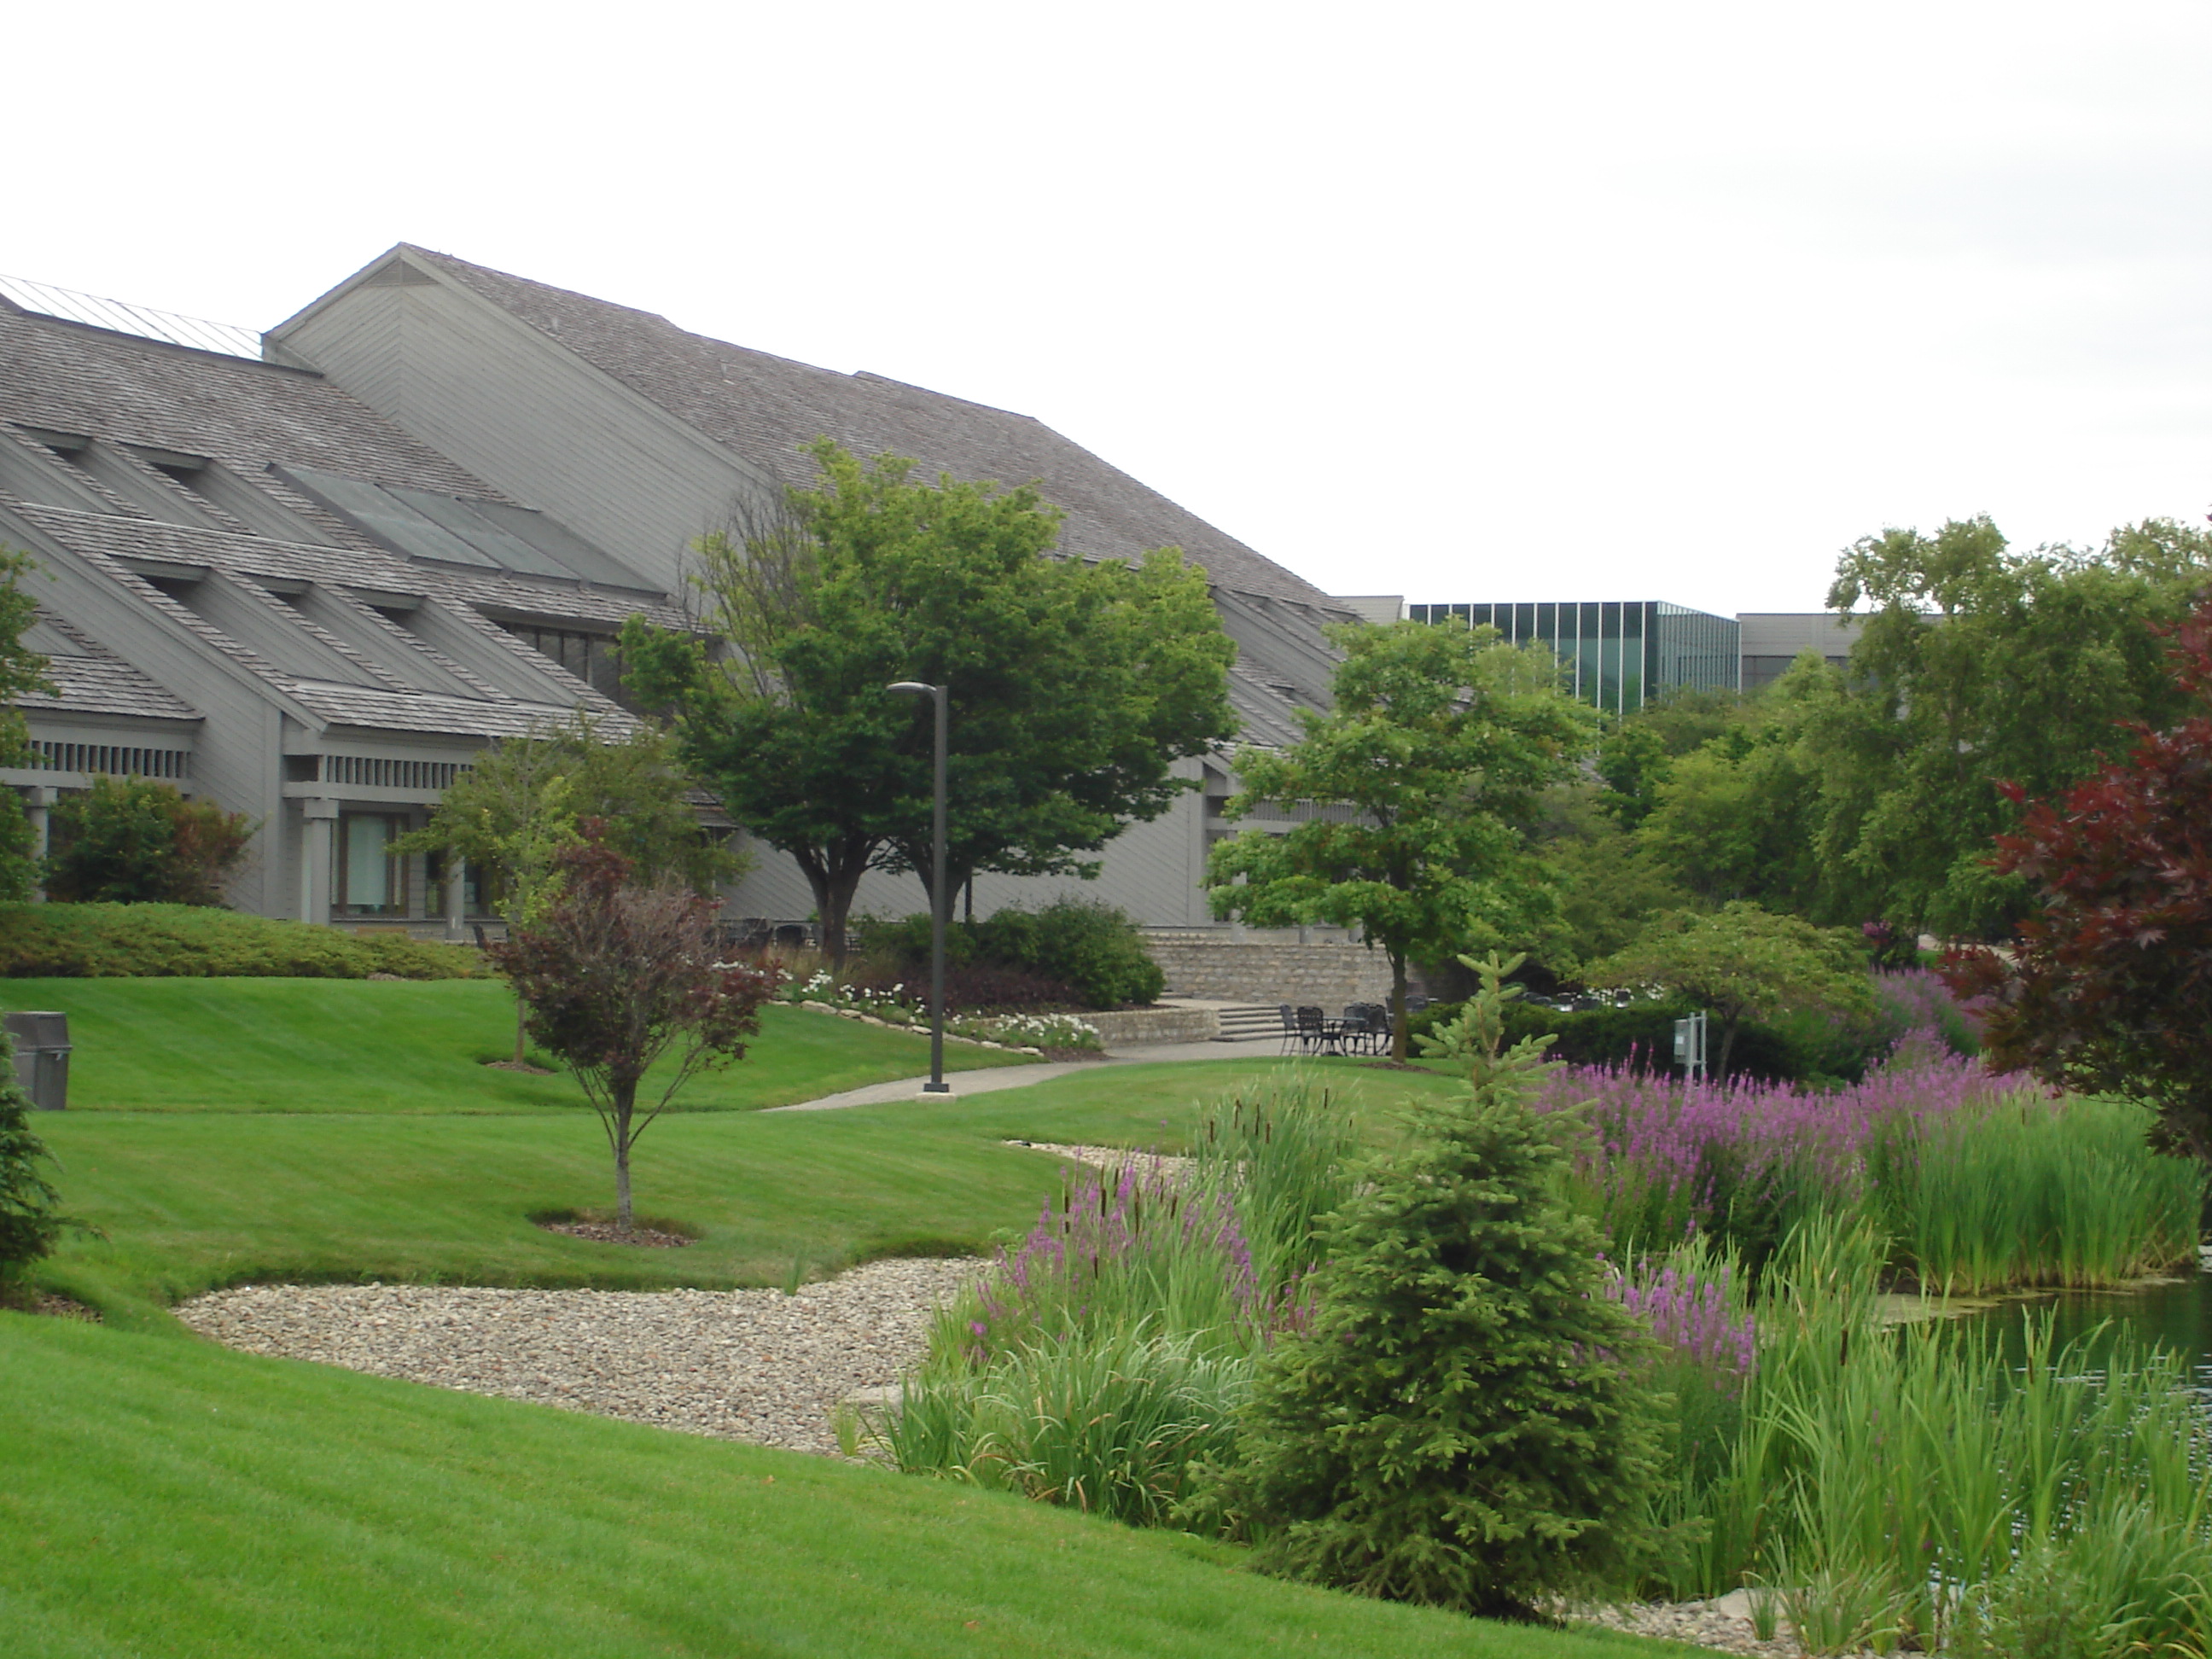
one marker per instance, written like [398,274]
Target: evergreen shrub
[127,941]
[29,1219]
[1460,1422]
[1090,947]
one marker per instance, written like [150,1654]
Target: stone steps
[1248,1023]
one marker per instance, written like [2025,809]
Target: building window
[476,896]
[372,877]
[591,658]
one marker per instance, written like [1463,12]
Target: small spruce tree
[29,1219]
[1461,1423]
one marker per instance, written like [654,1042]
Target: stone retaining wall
[1159,1025]
[1224,968]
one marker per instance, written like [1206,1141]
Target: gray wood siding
[1151,870]
[527,417]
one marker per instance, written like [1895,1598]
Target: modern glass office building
[1616,653]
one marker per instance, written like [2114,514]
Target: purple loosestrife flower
[1667,1155]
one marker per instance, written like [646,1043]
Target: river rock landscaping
[754,1365]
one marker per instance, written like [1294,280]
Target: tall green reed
[1908,1485]
[1282,1157]
[2029,1190]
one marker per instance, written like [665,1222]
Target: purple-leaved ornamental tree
[617,977]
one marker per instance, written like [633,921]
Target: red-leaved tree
[2108,985]
[617,977]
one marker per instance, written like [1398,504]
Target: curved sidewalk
[990,1080]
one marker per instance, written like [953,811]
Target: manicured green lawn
[334,1045]
[164,1496]
[191,1201]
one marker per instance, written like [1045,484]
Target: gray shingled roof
[73,378]
[92,680]
[379,699]
[764,408]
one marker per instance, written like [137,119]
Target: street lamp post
[938,896]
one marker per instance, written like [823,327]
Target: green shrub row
[1089,946]
[1808,1049]
[127,941]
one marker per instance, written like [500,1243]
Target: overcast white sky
[1484,300]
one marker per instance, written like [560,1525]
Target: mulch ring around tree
[605,1232]
[51,1306]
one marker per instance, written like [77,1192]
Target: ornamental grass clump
[1460,1422]
[1104,1356]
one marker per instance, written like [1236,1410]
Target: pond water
[2177,1314]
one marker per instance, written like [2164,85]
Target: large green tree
[1871,795]
[1977,663]
[2108,984]
[1074,688]
[1423,775]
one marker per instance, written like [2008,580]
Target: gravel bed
[756,1365]
[1109,1157]
[1724,1624]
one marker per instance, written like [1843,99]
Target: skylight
[143,321]
[423,523]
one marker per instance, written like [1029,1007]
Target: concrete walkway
[991,1079]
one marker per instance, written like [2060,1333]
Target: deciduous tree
[137,841]
[1976,664]
[522,805]
[617,977]
[1424,774]
[2108,985]
[1743,963]
[1074,688]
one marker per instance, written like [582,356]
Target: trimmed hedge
[158,941]
[1642,1036]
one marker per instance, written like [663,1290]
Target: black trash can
[42,1052]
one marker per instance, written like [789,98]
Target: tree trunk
[1402,1036]
[625,1101]
[1718,1069]
[833,873]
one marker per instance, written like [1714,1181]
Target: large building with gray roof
[311,586]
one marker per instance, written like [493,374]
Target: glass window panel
[369,875]
[1547,622]
[1524,624]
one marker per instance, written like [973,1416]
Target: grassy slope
[332,1045]
[191,1201]
[164,1496]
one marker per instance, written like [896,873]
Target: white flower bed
[1031,1033]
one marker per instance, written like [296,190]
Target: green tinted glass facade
[1613,653]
